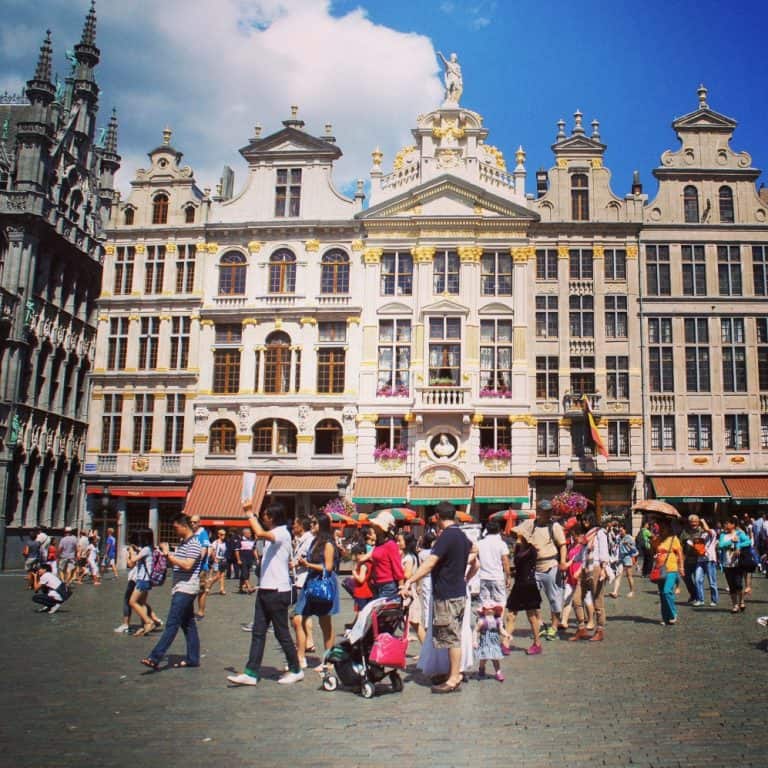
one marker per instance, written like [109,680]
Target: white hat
[68,529]
[384,520]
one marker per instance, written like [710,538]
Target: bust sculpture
[454,84]
[444,447]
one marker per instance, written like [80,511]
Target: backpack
[65,591]
[159,569]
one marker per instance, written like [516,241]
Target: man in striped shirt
[185,562]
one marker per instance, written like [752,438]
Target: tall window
[174,422]
[615,264]
[282,271]
[691,205]
[547,438]
[700,432]
[277,363]
[333,332]
[232,272]
[180,329]
[160,209]
[223,438]
[495,433]
[737,432]
[663,433]
[111,423]
[275,436]
[581,316]
[495,355]
[764,431]
[729,269]
[547,384]
[725,199]
[334,276]
[331,370]
[189,214]
[762,352]
[143,417]
[618,438]
[394,358]
[288,192]
[226,359]
[694,271]
[617,372]
[124,263]
[496,277]
[582,375]
[734,354]
[148,343]
[660,355]
[657,270]
[580,265]
[546,264]
[579,197]
[154,269]
[391,432]
[117,343]
[128,217]
[444,351]
[547,322]
[396,274]
[445,272]
[696,354]
[329,438]
[760,269]
[185,268]
[616,316]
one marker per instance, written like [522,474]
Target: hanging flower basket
[488,392]
[569,503]
[398,391]
[398,453]
[495,454]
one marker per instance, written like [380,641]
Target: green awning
[391,490]
[501,499]
[393,500]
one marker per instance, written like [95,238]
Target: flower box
[495,454]
[488,392]
[398,391]
[398,453]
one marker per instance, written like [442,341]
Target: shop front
[703,495]
[496,493]
[216,497]
[749,495]
[305,494]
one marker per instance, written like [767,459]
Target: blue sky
[212,70]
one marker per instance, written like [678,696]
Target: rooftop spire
[294,121]
[43,70]
[702,93]
[167,133]
[110,140]
[578,129]
[89,28]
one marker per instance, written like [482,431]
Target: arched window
[277,363]
[725,197]
[222,438]
[334,277]
[690,205]
[579,197]
[189,214]
[275,436]
[329,440]
[232,269]
[128,217]
[282,271]
[160,209]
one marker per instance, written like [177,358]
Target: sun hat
[384,520]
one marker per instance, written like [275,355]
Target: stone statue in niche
[244,416]
[444,446]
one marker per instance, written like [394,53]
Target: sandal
[184,664]
[311,649]
[150,663]
[145,630]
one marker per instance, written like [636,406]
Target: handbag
[320,589]
[388,650]
[747,560]
[659,573]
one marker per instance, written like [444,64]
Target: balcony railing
[662,403]
[331,299]
[170,464]
[106,462]
[229,301]
[281,299]
[443,397]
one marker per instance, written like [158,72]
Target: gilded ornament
[597,162]
[477,418]
[470,254]
[312,246]
[399,160]
[170,247]
[357,245]
[109,250]
[563,252]
[631,251]
[353,320]
[448,128]
[562,163]
[423,254]
[598,252]
[377,155]
[249,321]
[372,255]
[140,248]
[519,254]
[254,246]
[212,247]
[371,417]
[636,421]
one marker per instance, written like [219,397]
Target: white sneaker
[713,605]
[121,629]
[291,677]
[247,627]
[55,608]
[243,679]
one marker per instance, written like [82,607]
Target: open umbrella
[401,514]
[361,518]
[657,507]
[464,517]
[505,515]
[339,519]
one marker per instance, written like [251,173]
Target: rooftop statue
[454,84]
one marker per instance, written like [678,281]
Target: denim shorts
[143,585]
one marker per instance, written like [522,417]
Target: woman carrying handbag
[667,567]
[733,543]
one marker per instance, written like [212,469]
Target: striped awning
[218,496]
[430,495]
[501,489]
[690,489]
[291,483]
[381,489]
[748,490]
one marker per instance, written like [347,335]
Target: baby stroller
[373,648]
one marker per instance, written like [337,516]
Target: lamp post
[106,504]
[569,479]
[341,486]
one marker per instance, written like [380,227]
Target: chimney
[637,187]
[542,182]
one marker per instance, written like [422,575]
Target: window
[143,417]
[148,343]
[189,214]
[277,363]
[117,343]
[124,262]
[700,432]
[222,440]
[734,354]
[332,332]
[579,197]
[725,199]
[445,272]
[445,351]
[764,431]
[394,358]
[762,352]
[185,268]
[495,356]
[547,383]
[288,192]
[180,328]
[160,209]
[232,272]
[760,269]
[694,271]
[660,355]
[546,264]
[331,371]
[128,217]
[617,372]
[547,438]
[729,270]
[391,432]
[696,354]
[657,270]
[495,433]
[329,439]
[690,205]
[226,361]
[154,269]
[546,317]
[581,316]
[174,423]
[616,316]
[737,432]
[275,436]
[496,275]
[663,433]
[228,333]
[618,438]
[580,264]
[282,271]
[615,264]
[111,423]
[334,276]
[582,375]
[396,274]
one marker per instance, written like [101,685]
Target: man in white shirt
[47,585]
[493,554]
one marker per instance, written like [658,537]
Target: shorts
[82,562]
[493,592]
[65,563]
[204,581]
[31,563]
[295,592]
[547,581]
[447,618]
[144,585]
[108,561]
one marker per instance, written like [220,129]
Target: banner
[591,427]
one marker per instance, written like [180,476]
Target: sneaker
[712,604]
[122,629]
[247,627]
[630,594]
[291,677]
[499,676]
[550,634]
[697,603]
[44,609]
[534,650]
[243,679]
[55,608]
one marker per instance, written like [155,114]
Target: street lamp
[569,479]
[106,503]
[341,486]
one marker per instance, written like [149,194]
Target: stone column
[520,287]
[205,358]
[368,373]
[139,269]
[164,344]
[193,361]
[122,519]
[169,273]
[158,425]
[154,517]
[469,257]
[248,357]
[260,350]
[423,257]
[134,333]
[308,356]
[126,431]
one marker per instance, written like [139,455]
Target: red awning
[142,491]
[304,484]
[217,496]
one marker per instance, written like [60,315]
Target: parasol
[658,507]
[337,518]
[401,514]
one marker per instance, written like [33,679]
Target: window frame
[579,197]
[547,377]
[288,192]
[501,374]
[663,427]
[725,204]
[658,278]
[335,436]
[547,261]
[282,272]
[394,379]
[730,278]
[547,316]
[691,213]
[615,264]
[223,434]
[496,281]
[233,273]
[160,208]
[547,438]
[398,281]
[736,436]
[334,272]
[446,273]
[693,269]
[695,432]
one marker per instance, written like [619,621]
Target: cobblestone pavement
[74,694]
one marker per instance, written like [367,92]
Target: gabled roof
[290,142]
[706,120]
[445,305]
[580,145]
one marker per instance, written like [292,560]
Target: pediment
[445,306]
[394,308]
[289,141]
[704,120]
[496,308]
[581,144]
